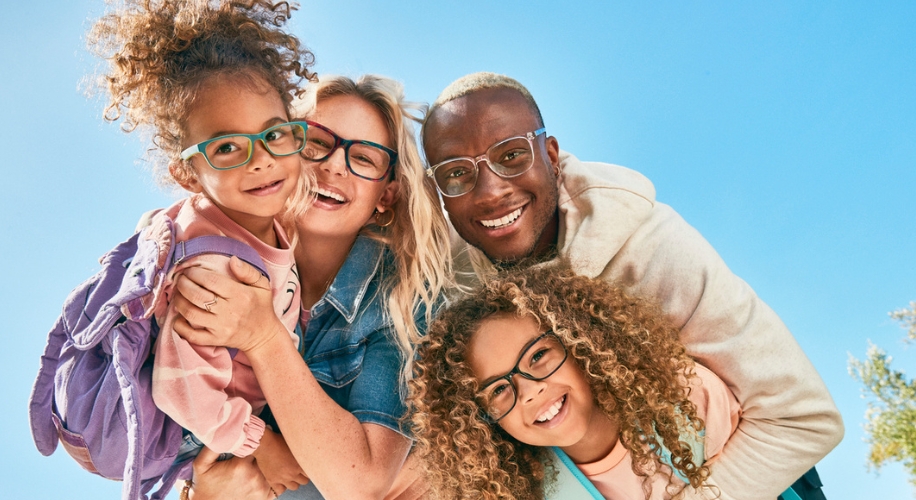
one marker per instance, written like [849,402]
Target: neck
[545,247]
[319,260]
[600,438]
[264,232]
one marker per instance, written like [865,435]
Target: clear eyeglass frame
[494,166]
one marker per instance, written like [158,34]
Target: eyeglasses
[234,150]
[365,159]
[541,358]
[507,158]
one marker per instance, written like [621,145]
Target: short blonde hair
[474,82]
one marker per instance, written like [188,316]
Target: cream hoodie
[611,227]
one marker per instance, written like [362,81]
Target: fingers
[193,300]
[198,336]
[201,285]
[204,461]
[246,273]
[190,318]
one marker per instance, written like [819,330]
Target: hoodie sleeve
[612,227]
[789,420]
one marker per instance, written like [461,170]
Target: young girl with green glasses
[213,83]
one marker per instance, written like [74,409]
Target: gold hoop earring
[387,221]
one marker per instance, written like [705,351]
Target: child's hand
[233,479]
[277,463]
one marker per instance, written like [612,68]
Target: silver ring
[208,304]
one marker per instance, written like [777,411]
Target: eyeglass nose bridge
[530,379]
[252,144]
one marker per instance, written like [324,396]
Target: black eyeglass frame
[515,370]
[346,143]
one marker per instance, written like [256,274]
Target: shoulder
[578,177]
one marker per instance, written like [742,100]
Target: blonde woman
[372,256]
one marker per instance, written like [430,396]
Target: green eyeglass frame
[286,150]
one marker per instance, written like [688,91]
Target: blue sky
[785,132]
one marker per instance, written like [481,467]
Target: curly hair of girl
[161,52]
[631,356]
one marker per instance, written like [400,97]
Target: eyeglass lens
[364,159]
[234,150]
[508,158]
[538,362]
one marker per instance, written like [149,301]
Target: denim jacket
[349,343]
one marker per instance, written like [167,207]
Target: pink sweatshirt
[204,389]
[613,475]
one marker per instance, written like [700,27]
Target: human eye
[498,389]
[317,146]
[225,146]
[514,156]
[539,354]
[456,172]
[276,134]
[364,160]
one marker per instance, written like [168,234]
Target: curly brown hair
[161,52]
[637,368]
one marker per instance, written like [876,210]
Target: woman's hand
[277,463]
[233,479]
[219,310]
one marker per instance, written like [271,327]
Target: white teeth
[329,194]
[503,221]
[552,411]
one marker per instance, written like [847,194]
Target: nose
[336,163]
[490,186]
[260,156]
[529,390]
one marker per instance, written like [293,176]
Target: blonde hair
[637,368]
[162,54]
[418,236]
[468,84]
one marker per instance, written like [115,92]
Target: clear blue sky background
[785,132]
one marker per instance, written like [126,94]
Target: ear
[389,196]
[553,153]
[185,176]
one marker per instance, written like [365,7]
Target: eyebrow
[269,123]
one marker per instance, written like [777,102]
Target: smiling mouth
[551,412]
[265,186]
[502,221]
[329,196]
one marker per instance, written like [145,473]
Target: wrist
[271,338]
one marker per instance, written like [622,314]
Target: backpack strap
[566,487]
[222,245]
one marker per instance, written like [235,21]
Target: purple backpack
[93,391]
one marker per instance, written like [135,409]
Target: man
[513,196]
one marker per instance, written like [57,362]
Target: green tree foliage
[890,420]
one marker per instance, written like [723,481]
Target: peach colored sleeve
[717,406]
[190,381]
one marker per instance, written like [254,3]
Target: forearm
[789,420]
[334,449]
[789,423]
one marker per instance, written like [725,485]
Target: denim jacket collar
[348,289]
